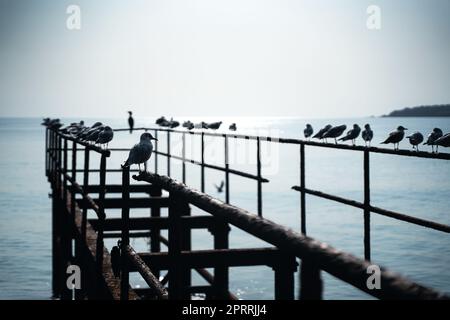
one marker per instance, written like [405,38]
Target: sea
[414,186]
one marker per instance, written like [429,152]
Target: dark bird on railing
[352,134]
[173,124]
[319,135]
[88,130]
[214,125]
[188,125]
[130,121]
[53,123]
[93,136]
[308,132]
[443,141]
[335,132]
[161,120]
[233,127]
[220,188]
[201,125]
[432,137]
[395,137]
[105,136]
[141,152]
[415,139]
[367,134]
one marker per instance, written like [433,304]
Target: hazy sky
[311,58]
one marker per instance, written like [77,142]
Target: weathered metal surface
[342,265]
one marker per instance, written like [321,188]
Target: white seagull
[141,152]
[105,136]
[308,132]
[415,139]
[352,134]
[432,137]
[395,137]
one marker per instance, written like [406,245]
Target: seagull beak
[155,139]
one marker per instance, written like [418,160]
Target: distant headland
[442,110]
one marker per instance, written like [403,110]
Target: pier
[169,263]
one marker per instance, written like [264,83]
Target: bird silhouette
[141,152]
[220,188]
[130,121]
[319,135]
[415,139]
[395,137]
[432,137]
[214,125]
[367,134]
[335,132]
[443,141]
[352,134]
[105,136]
[308,132]
[233,127]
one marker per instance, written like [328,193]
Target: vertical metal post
[168,153]
[156,151]
[183,168]
[85,187]
[367,205]
[302,192]
[74,178]
[101,218]
[227,172]
[221,276]
[125,241]
[284,278]
[310,281]
[258,167]
[65,174]
[46,151]
[202,175]
[155,233]
[177,208]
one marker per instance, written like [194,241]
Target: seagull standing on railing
[352,134]
[233,127]
[335,132]
[415,139]
[432,137]
[395,137]
[319,135]
[141,152]
[443,141]
[105,136]
[130,121]
[308,132]
[367,134]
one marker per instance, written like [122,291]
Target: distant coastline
[442,110]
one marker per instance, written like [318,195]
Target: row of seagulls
[435,138]
[52,123]
[189,125]
[98,133]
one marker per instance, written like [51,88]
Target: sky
[274,58]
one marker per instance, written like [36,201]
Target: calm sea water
[418,187]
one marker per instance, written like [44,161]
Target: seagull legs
[145,166]
[139,167]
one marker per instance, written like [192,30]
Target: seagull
[220,188]
[443,141]
[395,137]
[308,132]
[367,134]
[173,124]
[319,135]
[85,133]
[161,120]
[352,134]
[141,152]
[93,136]
[201,125]
[335,132]
[105,136]
[233,127]
[131,121]
[432,137]
[188,125]
[214,125]
[415,139]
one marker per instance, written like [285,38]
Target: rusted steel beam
[146,273]
[380,211]
[217,257]
[87,200]
[116,203]
[146,223]
[339,264]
